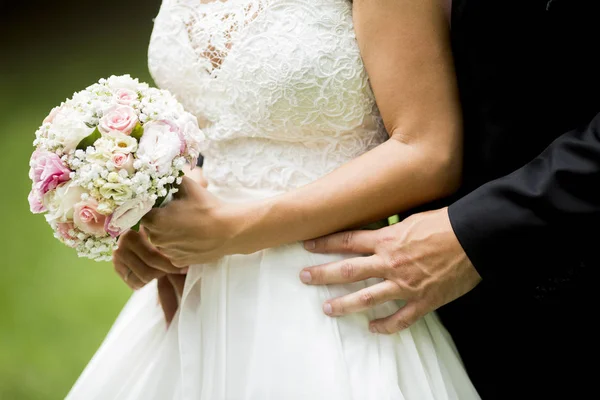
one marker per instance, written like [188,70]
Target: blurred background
[55,308]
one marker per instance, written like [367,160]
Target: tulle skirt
[248,329]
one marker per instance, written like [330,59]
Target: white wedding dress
[281,90]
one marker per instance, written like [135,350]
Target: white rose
[70,128]
[159,145]
[119,192]
[60,202]
[127,215]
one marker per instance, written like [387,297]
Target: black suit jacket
[528,213]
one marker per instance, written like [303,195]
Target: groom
[526,222]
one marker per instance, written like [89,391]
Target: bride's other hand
[194,228]
[138,262]
[170,290]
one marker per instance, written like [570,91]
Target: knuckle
[400,324]
[366,299]
[397,259]
[385,238]
[347,239]
[347,270]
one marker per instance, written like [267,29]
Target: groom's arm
[557,195]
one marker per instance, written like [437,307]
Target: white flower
[192,134]
[122,82]
[119,192]
[105,208]
[121,142]
[127,215]
[121,177]
[60,202]
[159,145]
[69,129]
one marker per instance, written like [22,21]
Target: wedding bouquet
[105,157]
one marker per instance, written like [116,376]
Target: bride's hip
[257,281]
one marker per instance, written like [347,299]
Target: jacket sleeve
[553,199]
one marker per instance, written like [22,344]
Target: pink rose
[123,161]
[47,171]
[87,218]
[121,119]
[192,135]
[63,229]
[126,96]
[35,202]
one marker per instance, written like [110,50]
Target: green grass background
[55,308]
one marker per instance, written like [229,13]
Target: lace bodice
[278,86]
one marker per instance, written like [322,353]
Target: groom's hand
[420,260]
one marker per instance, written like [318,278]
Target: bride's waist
[254,168]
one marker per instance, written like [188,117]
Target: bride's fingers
[167,297]
[152,256]
[127,275]
[344,271]
[140,269]
[362,300]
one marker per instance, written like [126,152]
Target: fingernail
[327,308]
[373,329]
[184,271]
[305,277]
[310,245]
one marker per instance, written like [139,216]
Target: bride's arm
[406,51]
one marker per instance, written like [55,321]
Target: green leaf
[159,201]
[375,225]
[137,132]
[89,140]
[394,219]
[136,227]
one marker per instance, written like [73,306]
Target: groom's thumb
[402,319]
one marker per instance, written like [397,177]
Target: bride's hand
[137,262]
[194,228]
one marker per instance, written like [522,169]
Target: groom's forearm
[394,176]
[553,200]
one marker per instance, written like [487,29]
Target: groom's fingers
[362,300]
[357,242]
[402,319]
[344,271]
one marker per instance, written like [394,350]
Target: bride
[297,148]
